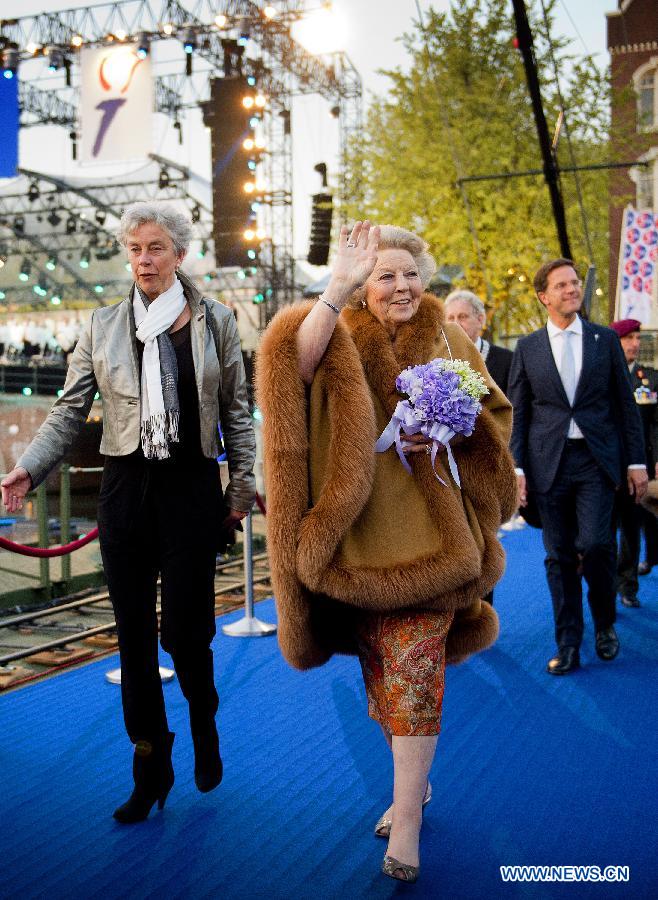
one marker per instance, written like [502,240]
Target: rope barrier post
[65,517]
[248,625]
[42,526]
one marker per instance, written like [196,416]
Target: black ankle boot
[154,776]
[208,767]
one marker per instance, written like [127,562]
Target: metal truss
[283,68]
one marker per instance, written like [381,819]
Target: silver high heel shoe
[383,826]
[391,866]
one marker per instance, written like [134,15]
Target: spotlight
[33,192]
[168,28]
[84,259]
[2,295]
[251,254]
[143,44]
[248,102]
[249,234]
[120,34]
[76,40]
[260,101]
[51,263]
[249,187]
[55,58]
[220,21]
[243,31]
[100,216]
[270,12]
[55,300]
[189,40]
[248,144]
[19,225]
[98,288]
[164,179]
[54,218]
[10,61]
[71,225]
[26,268]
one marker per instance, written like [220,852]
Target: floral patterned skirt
[403,662]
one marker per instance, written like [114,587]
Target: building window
[645,81]
[644,188]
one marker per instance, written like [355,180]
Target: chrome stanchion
[248,625]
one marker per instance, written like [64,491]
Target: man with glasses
[577,437]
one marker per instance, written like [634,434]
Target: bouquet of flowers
[443,400]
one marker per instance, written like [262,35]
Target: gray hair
[394,237]
[476,304]
[177,225]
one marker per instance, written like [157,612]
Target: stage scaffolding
[284,69]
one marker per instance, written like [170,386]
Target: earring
[363,304]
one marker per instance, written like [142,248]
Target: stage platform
[530,770]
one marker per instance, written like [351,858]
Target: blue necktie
[568,366]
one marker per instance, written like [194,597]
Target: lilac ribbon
[404,420]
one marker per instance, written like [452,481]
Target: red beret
[626,326]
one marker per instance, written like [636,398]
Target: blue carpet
[530,770]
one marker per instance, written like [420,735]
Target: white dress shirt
[556,337]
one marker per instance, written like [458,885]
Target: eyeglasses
[563,285]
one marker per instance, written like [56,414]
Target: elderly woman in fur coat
[367,559]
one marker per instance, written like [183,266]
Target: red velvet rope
[61,550]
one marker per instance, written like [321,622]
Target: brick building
[633,47]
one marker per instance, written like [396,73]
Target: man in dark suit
[466,309]
[632,518]
[576,428]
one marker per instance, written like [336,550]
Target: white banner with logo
[116,104]
[638,256]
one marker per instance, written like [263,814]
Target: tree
[463,108]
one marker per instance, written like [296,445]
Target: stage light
[248,144]
[521,277]
[220,21]
[54,218]
[260,101]
[251,254]
[243,31]
[77,40]
[260,144]
[510,271]
[248,102]
[322,31]
[19,225]
[33,192]
[120,34]
[258,298]
[98,288]
[55,58]
[27,392]
[168,28]
[164,179]
[251,164]
[249,234]
[56,300]
[51,262]
[189,46]
[10,62]
[255,206]
[260,234]
[254,121]
[26,268]
[2,295]
[242,274]
[599,292]
[84,259]
[143,44]
[270,12]
[251,80]
[71,225]
[249,187]
[260,184]
[32,48]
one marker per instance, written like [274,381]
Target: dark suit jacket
[648,412]
[498,361]
[604,407]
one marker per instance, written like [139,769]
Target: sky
[371,39]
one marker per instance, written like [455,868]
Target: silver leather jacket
[105,361]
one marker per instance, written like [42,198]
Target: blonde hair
[394,237]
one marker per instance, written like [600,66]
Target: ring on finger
[351,244]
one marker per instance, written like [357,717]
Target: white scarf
[157,426]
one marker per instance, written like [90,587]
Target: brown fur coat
[349,529]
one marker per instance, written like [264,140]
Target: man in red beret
[633,518]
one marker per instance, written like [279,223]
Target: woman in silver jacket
[168,366]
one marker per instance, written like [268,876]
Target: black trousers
[577,517]
[632,519]
[162,519]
